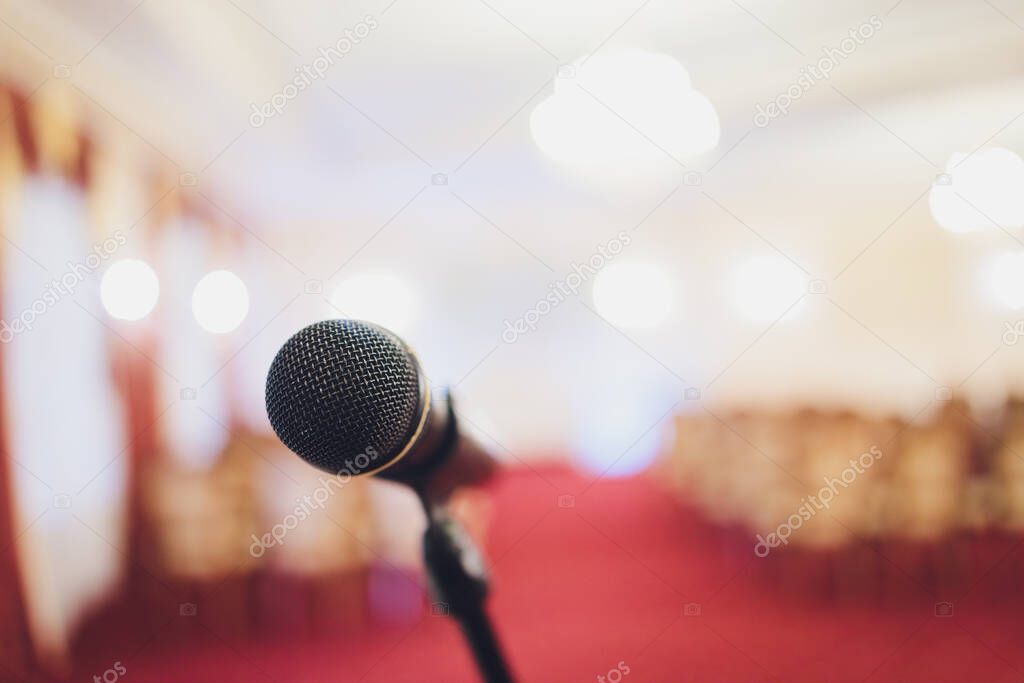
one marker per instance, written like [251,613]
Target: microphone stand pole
[458,578]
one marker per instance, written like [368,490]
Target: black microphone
[350,397]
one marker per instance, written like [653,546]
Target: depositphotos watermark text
[560,290]
[314,71]
[61,287]
[317,500]
[811,505]
[812,74]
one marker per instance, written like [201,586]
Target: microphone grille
[340,387]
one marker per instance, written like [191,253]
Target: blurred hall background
[686,267]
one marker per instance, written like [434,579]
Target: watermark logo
[812,74]
[811,505]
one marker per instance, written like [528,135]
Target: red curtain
[15,648]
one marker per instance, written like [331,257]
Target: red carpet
[581,589]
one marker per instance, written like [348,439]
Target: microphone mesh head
[339,389]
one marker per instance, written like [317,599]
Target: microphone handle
[442,458]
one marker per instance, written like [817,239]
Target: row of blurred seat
[829,479]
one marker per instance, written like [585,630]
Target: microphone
[350,397]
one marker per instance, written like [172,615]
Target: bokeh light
[129,289]
[220,301]
[981,191]
[636,295]
[584,120]
[1006,278]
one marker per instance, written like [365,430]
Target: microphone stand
[456,567]
[458,579]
